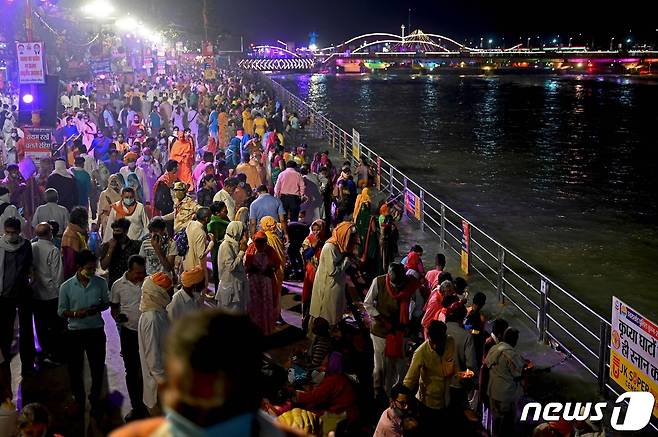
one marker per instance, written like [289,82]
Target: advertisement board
[633,338]
[356,141]
[36,142]
[31,68]
[466,247]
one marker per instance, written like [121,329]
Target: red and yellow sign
[466,247]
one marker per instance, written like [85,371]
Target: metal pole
[390,181]
[544,307]
[500,285]
[604,341]
[404,196]
[422,210]
[442,231]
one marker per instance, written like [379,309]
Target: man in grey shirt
[51,210]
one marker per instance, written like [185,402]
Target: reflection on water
[563,170]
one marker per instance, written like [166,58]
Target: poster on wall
[633,339]
[31,68]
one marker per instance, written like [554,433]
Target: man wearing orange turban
[186,299]
[130,159]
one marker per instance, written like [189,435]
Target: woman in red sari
[261,261]
[311,248]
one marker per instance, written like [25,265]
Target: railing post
[544,306]
[422,210]
[604,341]
[500,285]
[404,196]
[442,230]
[390,180]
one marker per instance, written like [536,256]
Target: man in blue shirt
[100,146]
[266,205]
[114,164]
[81,300]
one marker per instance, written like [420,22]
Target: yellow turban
[162,280]
[268,224]
[193,277]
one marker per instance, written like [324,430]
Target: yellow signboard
[356,141]
[466,247]
[633,340]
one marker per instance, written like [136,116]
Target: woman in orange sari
[268,225]
[183,151]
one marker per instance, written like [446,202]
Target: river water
[563,170]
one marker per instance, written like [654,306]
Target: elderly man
[186,299]
[51,210]
[15,265]
[197,239]
[126,296]
[290,188]
[47,276]
[217,394]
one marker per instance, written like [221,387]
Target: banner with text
[30,62]
[412,204]
[37,142]
[633,363]
[466,247]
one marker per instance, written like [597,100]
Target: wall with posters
[633,339]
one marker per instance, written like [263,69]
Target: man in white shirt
[186,299]
[47,275]
[51,210]
[126,296]
[197,239]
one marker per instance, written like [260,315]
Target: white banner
[30,62]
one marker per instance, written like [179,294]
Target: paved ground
[50,386]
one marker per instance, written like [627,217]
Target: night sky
[337,20]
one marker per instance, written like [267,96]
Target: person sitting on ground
[320,345]
[398,419]
[206,391]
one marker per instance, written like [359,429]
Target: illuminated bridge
[429,52]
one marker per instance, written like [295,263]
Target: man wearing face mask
[15,293]
[186,299]
[197,239]
[133,211]
[126,295]
[130,159]
[81,300]
[388,305]
[185,207]
[115,253]
[207,392]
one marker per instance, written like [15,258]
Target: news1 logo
[638,412]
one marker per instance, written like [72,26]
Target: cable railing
[548,307]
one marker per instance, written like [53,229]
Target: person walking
[233,290]
[126,295]
[82,299]
[290,188]
[51,210]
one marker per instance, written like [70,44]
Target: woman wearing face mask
[133,211]
[130,159]
[133,182]
[261,262]
[109,196]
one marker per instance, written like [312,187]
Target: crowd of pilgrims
[147,191]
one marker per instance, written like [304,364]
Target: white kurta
[233,290]
[328,298]
[151,332]
[139,222]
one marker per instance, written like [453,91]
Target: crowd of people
[183,194]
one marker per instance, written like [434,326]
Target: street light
[611,42]
[98,9]
[570,38]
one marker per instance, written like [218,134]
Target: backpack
[162,200]
[182,245]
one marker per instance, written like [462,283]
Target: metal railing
[556,314]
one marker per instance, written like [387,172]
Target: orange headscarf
[193,277]
[130,156]
[360,200]
[162,280]
[342,234]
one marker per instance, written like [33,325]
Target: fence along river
[558,315]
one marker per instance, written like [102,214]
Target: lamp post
[612,42]
[570,38]
[529,38]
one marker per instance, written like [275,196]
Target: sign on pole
[30,62]
[356,141]
[412,204]
[466,246]
[633,363]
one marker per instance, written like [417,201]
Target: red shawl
[403,296]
